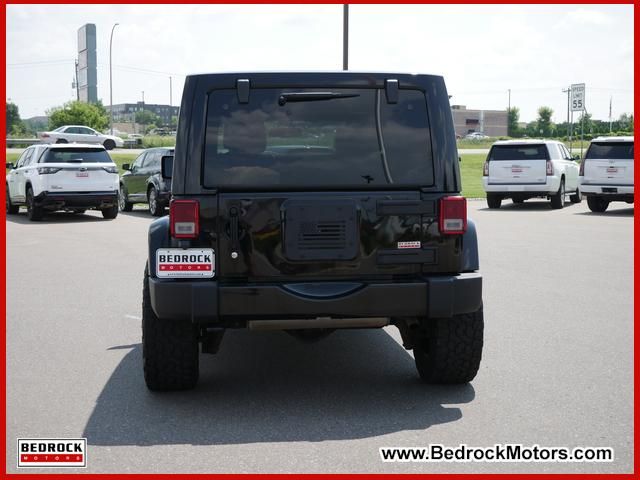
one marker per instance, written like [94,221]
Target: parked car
[80,134]
[476,136]
[72,177]
[606,172]
[523,169]
[142,182]
[316,231]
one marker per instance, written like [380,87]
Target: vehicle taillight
[549,168]
[582,162]
[453,215]
[485,169]
[183,218]
[44,135]
[48,170]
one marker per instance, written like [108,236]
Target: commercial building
[126,112]
[493,123]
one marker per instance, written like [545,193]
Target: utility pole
[568,92]
[509,113]
[610,118]
[76,83]
[345,37]
[110,80]
[170,93]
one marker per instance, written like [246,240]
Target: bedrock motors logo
[52,452]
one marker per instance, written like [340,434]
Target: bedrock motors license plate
[185,263]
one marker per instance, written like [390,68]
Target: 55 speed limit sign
[577,97]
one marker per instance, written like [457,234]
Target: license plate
[185,263]
[82,174]
[612,170]
[516,170]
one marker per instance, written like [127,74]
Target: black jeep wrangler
[309,202]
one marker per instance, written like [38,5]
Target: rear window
[321,137]
[518,152]
[76,155]
[607,150]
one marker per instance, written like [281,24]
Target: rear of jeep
[307,203]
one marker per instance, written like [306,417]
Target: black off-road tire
[493,201]
[123,203]
[557,199]
[110,213]
[597,204]
[34,213]
[109,144]
[451,350]
[576,197]
[169,349]
[156,209]
[11,208]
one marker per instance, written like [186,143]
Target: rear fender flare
[159,237]
[470,256]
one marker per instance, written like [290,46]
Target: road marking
[133,317]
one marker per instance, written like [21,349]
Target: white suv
[606,173]
[72,177]
[522,169]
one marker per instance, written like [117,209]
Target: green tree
[625,122]
[14,123]
[79,113]
[513,115]
[589,125]
[544,124]
[146,117]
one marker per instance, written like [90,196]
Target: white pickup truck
[606,173]
[523,169]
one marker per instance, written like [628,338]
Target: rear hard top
[314,130]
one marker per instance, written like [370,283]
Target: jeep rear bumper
[208,302]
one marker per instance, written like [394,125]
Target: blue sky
[481,50]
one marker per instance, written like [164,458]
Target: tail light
[453,215]
[48,170]
[112,169]
[582,162]
[549,168]
[485,169]
[183,218]
[44,135]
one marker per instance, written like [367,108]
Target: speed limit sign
[577,97]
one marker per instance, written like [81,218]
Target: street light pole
[345,37]
[111,79]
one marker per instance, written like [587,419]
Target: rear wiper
[75,160]
[312,96]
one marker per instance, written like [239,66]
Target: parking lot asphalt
[557,367]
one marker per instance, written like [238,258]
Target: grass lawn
[471,172]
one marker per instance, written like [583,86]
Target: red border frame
[61,476]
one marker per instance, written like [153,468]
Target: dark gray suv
[142,182]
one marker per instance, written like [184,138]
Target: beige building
[490,122]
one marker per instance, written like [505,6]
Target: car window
[26,155]
[60,129]
[86,131]
[29,159]
[288,138]
[76,155]
[72,130]
[518,152]
[152,162]
[567,153]
[610,150]
[138,161]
